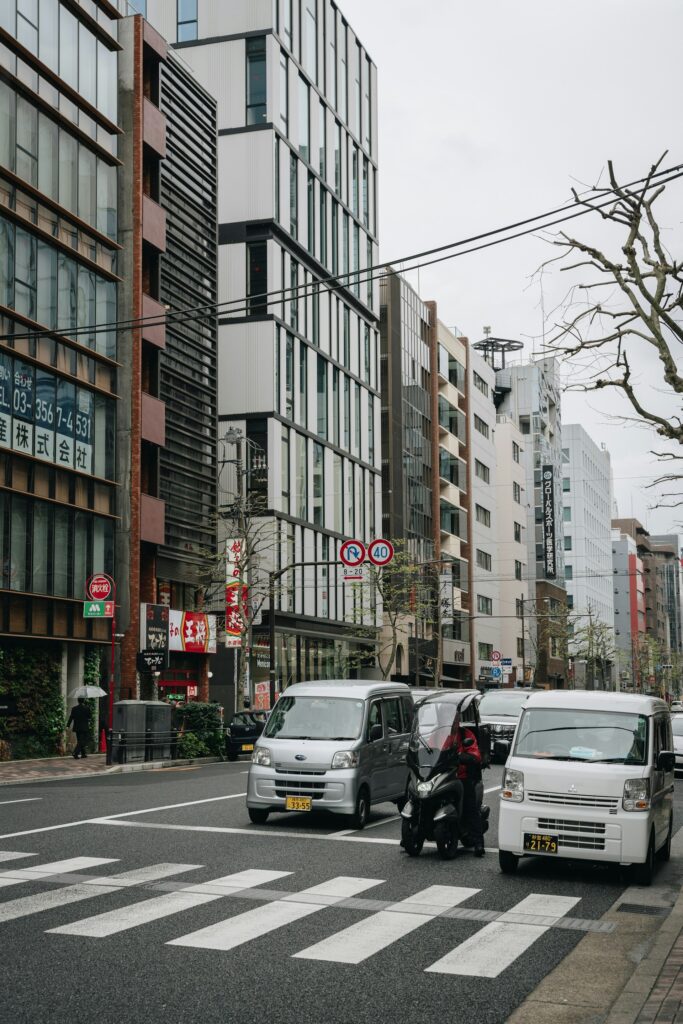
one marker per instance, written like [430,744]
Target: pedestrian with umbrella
[79,719]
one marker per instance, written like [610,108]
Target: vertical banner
[22,407]
[446,598]
[548,497]
[233,590]
[46,408]
[154,624]
[5,400]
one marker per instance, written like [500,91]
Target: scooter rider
[464,742]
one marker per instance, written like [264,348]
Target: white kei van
[590,777]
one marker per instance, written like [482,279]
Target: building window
[566,484]
[371,431]
[567,542]
[284,477]
[520,647]
[518,570]
[568,572]
[304,120]
[187,20]
[483,515]
[322,140]
[311,214]
[484,651]
[257,277]
[318,483]
[303,385]
[518,532]
[570,603]
[565,455]
[289,377]
[323,226]
[516,492]
[516,451]
[484,560]
[284,94]
[337,157]
[293,194]
[322,397]
[567,514]
[481,425]
[301,477]
[256,80]
[286,21]
[482,471]
[484,605]
[519,607]
[481,385]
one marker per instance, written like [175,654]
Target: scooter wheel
[446,838]
[412,839]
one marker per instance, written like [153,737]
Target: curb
[117,769]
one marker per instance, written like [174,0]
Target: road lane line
[490,951]
[252,924]
[25,906]
[492,789]
[120,920]
[12,855]
[364,939]
[384,821]
[57,867]
[25,800]
[122,814]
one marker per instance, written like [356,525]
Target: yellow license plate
[247,746]
[536,842]
[297,803]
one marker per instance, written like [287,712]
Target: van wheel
[507,862]
[665,853]
[359,818]
[644,873]
[257,816]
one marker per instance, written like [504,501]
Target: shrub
[31,676]
[204,722]
[190,745]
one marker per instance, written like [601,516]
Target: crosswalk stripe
[88,890]
[6,855]
[365,938]
[58,867]
[252,924]
[154,909]
[487,953]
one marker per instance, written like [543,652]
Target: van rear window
[566,734]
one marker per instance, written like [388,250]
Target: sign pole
[110,723]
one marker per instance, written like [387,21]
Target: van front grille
[608,803]
[578,835]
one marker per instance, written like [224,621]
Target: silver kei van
[336,746]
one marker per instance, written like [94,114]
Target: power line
[333,282]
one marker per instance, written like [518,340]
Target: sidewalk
[44,768]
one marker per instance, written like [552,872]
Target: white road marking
[12,855]
[154,909]
[355,944]
[58,867]
[227,830]
[492,789]
[123,814]
[487,953]
[235,931]
[27,905]
[25,800]
[384,821]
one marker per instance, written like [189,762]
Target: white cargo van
[590,777]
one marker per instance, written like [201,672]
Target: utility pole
[523,644]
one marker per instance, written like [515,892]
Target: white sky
[489,112]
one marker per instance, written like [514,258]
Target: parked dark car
[241,733]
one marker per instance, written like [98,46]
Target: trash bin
[129,726]
[158,727]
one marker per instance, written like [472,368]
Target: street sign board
[352,552]
[496,672]
[380,552]
[152,661]
[99,587]
[98,609]
[506,662]
[495,656]
[353,572]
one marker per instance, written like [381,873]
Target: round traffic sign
[99,587]
[495,656]
[352,552]
[380,552]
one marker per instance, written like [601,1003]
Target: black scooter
[434,809]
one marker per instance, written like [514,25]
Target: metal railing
[142,746]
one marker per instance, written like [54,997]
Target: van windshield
[567,734]
[316,718]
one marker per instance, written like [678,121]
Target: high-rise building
[298,363]
[669,545]
[59,275]
[586,516]
[629,605]
[512,561]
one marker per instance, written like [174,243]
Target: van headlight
[425,788]
[345,759]
[513,785]
[261,755]
[636,795]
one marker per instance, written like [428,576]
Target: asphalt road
[178,939]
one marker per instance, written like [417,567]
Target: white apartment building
[586,515]
[513,586]
[298,362]
[484,493]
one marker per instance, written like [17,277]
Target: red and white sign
[192,632]
[99,587]
[236,597]
[495,656]
[352,553]
[380,552]
[262,697]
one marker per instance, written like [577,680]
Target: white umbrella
[88,691]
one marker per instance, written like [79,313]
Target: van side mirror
[666,761]
[376,733]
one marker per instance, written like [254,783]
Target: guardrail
[141,746]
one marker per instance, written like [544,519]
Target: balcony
[153,224]
[154,128]
[152,519]
[153,420]
[154,333]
